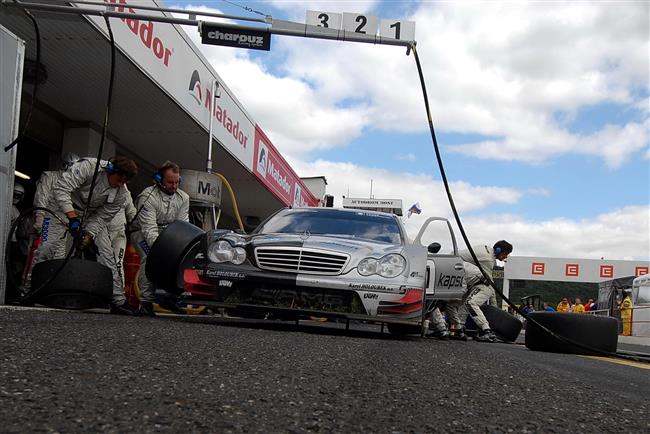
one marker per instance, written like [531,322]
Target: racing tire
[593,334]
[79,285]
[503,324]
[173,250]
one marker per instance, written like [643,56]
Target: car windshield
[374,227]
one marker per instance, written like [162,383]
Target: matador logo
[195,88]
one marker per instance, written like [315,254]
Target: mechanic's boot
[439,334]
[170,303]
[485,336]
[458,335]
[123,309]
[146,309]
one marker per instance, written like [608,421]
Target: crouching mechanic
[157,206]
[70,196]
[480,291]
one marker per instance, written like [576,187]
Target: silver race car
[312,262]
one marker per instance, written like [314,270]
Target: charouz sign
[233,37]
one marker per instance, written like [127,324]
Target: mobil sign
[276,174]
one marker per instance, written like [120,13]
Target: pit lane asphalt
[89,372]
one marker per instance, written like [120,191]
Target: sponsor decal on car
[226,274]
[447,281]
[374,287]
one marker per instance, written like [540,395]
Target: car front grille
[300,260]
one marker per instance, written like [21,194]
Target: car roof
[344,210]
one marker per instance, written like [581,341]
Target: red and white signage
[537,268]
[607,271]
[571,269]
[641,271]
[278,176]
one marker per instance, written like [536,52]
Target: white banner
[571,270]
[163,53]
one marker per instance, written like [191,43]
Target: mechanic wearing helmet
[479,290]
[70,196]
[42,220]
[157,206]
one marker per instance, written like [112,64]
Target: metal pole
[191,13]
[278,27]
[213,101]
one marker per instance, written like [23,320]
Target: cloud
[497,69]
[619,234]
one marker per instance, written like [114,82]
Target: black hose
[111,80]
[466,239]
[36,78]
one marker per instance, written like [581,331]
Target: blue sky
[541,110]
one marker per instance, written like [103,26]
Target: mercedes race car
[311,262]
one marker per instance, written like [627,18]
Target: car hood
[353,247]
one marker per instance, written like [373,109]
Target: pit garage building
[161,109]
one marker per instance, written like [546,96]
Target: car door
[445,272]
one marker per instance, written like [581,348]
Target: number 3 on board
[324,19]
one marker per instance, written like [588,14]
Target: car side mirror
[434,247]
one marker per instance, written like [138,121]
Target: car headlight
[222,251]
[367,266]
[239,255]
[391,265]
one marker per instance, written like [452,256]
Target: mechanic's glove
[38,223]
[74,226]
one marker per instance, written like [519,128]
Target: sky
[541,111]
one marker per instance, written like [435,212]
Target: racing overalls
[54,249]
[70,193]
[479,290]
[155,210]
[117,230]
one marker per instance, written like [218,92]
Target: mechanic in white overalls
[479,290]
[157,206]
[42,219]
[110,195]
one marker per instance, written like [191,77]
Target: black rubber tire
[79,285]
[503,324]
[173,249]
[597,332]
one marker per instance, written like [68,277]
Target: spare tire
[174,248]
[503,324]
[593,334]
[79,285]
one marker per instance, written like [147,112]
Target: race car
[311,262]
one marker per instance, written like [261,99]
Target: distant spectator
[563,306]
[588,305]
[548,308]
[626,312]
[593,305]
[578,307]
